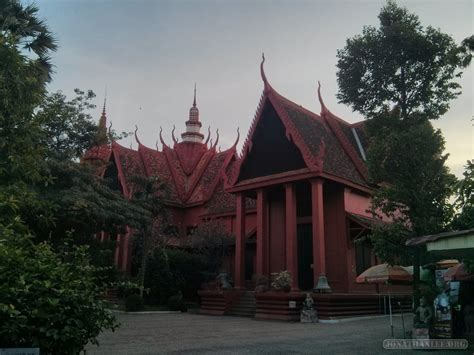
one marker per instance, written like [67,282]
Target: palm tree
[21,27]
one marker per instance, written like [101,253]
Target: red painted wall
[276,232]
[356,203]
[336,237]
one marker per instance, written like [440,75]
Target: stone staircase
[245,307]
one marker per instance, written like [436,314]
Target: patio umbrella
[458,273]
[385,274]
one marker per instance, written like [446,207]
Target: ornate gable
[327,144]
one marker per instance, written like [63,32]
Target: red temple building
[296,199]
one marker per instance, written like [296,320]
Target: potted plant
[281,281]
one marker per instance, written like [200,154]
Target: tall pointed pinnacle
[193,125]
[101,137]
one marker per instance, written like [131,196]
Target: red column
[240,243]
[125,252]
[290,229]
[118,247]
[262,234]
[319,248]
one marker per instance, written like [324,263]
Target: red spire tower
[193,125]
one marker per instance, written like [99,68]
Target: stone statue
[442,307]
[423,314]
[223,281]
[308,313]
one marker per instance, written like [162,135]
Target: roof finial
[208,135]
[217,140]
[101,137]
[324,109]
[262,73]
[194,102]
[105,101]
[136,136]
[237,140]
[162,140]
[172,135]
[110,133]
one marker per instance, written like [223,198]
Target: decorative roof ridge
[197,158]
[299,107]
[179,187]
[325,110]
[247,146]
[207,157]
[335,127]
[141,149]
[334,123]
[230,153]
[122,147]
[152,150]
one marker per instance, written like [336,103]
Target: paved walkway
[192,333]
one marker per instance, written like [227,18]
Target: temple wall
[356,203]
[276,231]
[336,237]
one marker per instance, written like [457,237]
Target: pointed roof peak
[262,74]
[105,102]
[194,101]
[324,109]
[102,129]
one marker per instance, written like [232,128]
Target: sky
[148,55]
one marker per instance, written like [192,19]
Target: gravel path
[193,333]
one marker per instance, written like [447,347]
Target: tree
[68,129]
[49,300]
[211,240]
[149,194]
[464,219]
[401,75]
[50,296]
[400,63]
[22,28]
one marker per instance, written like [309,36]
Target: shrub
[281,280]
[176,303]
[126,288]
[172,271]
[134,303]
[48,300]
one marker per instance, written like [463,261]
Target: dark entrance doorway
[305,256]
[250,254]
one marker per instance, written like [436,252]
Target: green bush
[48,299]
[134,303]
[176,303]
[172,271]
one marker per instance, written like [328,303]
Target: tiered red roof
[197,173]
[193,170]
[329,145]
